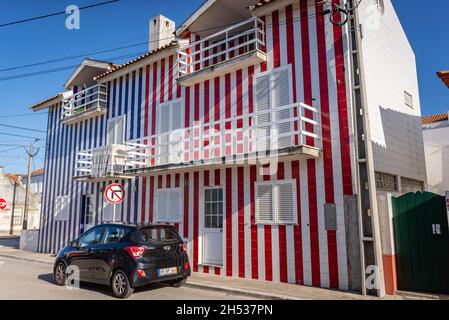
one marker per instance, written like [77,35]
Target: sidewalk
[251,288]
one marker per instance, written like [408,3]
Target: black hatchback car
[125,257]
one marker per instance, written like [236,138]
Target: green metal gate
[421,232]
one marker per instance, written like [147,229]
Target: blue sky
[126,24]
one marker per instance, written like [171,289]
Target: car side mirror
[73,244]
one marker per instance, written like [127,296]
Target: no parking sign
[3,204]
[114,193]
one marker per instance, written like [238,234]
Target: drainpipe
[11,229]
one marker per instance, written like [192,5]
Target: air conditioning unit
[108,161]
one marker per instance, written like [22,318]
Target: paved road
[25,280]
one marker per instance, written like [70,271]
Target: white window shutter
[62,208]
[163,205]
[263,104]
[285,203]
[175,205]
[281,97]
[264,207]
[176,115]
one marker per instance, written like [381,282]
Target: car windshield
[155,234]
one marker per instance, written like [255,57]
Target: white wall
[390,69]
[436,144]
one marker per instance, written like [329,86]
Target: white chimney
[162,32]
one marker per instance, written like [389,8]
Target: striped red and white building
[186,128]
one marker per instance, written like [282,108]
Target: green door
[421,232]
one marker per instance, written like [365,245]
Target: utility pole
[27,193]
[11,230]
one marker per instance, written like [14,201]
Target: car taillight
[186,266]
[184,247]
[135,251]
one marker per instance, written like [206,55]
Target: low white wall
[28,240]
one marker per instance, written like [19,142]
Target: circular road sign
[114,193]
[2,204]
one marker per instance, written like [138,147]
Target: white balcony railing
[103,162]
[240,39]
[91,100]
[231,139]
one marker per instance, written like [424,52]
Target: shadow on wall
[437,158]
[403,152]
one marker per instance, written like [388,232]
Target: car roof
[135,225]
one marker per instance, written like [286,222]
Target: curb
[189,284]
[241,292]
[8,256]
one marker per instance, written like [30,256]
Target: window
[276,202]
[116,131]
[62,208]
[169,119]
[408,98]
[273,92]
[410,185]
[92,237]
[155,234]
[18,216]
[386,182]
[115,233]
[89,207]
[169,204]
[213,208]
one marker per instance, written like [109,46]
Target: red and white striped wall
[303,254]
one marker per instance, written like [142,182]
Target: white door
[213,227]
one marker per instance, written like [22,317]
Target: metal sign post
[114,194]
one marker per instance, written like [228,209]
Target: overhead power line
[17,135]
[21,128]
[55,14]
[24,115]
[79,55]
[36,73]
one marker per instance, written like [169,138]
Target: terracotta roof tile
[444,76]
[435,118]
[173,44]
[38,172]
[46,101]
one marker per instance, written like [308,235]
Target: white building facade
[241,133]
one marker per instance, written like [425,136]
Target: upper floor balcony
[88,103]
[231,49]
[288,132]
[103,163]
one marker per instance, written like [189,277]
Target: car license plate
[167,271]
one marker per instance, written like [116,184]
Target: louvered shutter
[62,208]
[120,131]
[263,104]
[264,204]
[163,125]
[163,206]
[111,131]
[176,132]
[281,97]
[175,204]
[285,208]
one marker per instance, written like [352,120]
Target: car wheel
[121,288]
[60,274]
[179,283]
